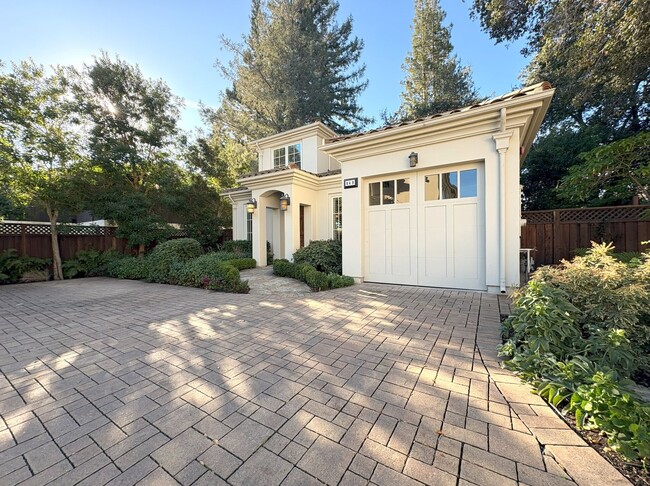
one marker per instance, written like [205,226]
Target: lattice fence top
[597,215]
[537,217]
[17,229]
[587,215]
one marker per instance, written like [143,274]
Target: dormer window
[289,154]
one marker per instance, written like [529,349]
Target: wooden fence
[33,239]
[556,234]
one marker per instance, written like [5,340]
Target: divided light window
[446,185]
[337,218]
[289,154]
[249,226]
[392,191]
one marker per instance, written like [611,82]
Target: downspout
[502,140]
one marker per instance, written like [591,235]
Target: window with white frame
[337,218]
[249,226]
[289,154]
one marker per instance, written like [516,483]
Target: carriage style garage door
[427,228]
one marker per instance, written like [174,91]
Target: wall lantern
[413,159]
[284,202]
[251,205]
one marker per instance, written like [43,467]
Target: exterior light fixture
[413,159]
[285,200]
[251,205]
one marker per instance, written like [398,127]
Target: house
[431,202]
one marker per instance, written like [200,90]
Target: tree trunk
[57,267]
[141,250]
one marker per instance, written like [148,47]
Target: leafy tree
[435,80]
[615,172]
[597,53]
[297,65]
[132,144]
[551,156]
[40,151]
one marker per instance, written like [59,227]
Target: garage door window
[450,185]
[390,191]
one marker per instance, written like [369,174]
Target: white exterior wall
[310,157]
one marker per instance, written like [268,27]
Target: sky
[179,42]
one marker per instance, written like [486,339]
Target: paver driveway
[107,381]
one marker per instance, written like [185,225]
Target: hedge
[163,257]
[316,280]
[324,255]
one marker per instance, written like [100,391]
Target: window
[337,218]
[391,191]
[451,185]
[290,154]
[249,226]
[279,157]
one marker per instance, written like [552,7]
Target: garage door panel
[434,249]
[377,242]
[466,243]
[400,236]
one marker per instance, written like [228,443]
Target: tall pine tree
[435,79]
[297,65]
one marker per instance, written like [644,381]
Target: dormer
[299,146]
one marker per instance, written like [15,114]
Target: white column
[502,141]
[259,232]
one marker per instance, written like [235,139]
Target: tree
[435,80]
[550,158]
[297,65]
[597,53]
[616,171]
[40,144]
[132,143]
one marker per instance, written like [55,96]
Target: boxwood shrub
[164,255]
[304,272]
[210,272]
[325,255]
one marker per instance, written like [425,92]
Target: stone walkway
[118,382]
[262,282]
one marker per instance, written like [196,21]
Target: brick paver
[116,382]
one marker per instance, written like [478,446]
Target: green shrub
[243,248]
[209,272]
[339,281]
[307,273]
[164,255]
[316,280]
[578,332]
[325,255]
[608,293]
[12,266]
[282,267]
[130,267]
[89,263]
[242,263]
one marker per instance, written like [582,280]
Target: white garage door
[427,228]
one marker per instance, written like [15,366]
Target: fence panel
[555,234]
[33,239]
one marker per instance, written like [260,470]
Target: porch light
[251,205]
[413,159]
[284,202]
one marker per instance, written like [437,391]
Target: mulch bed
[632,471]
